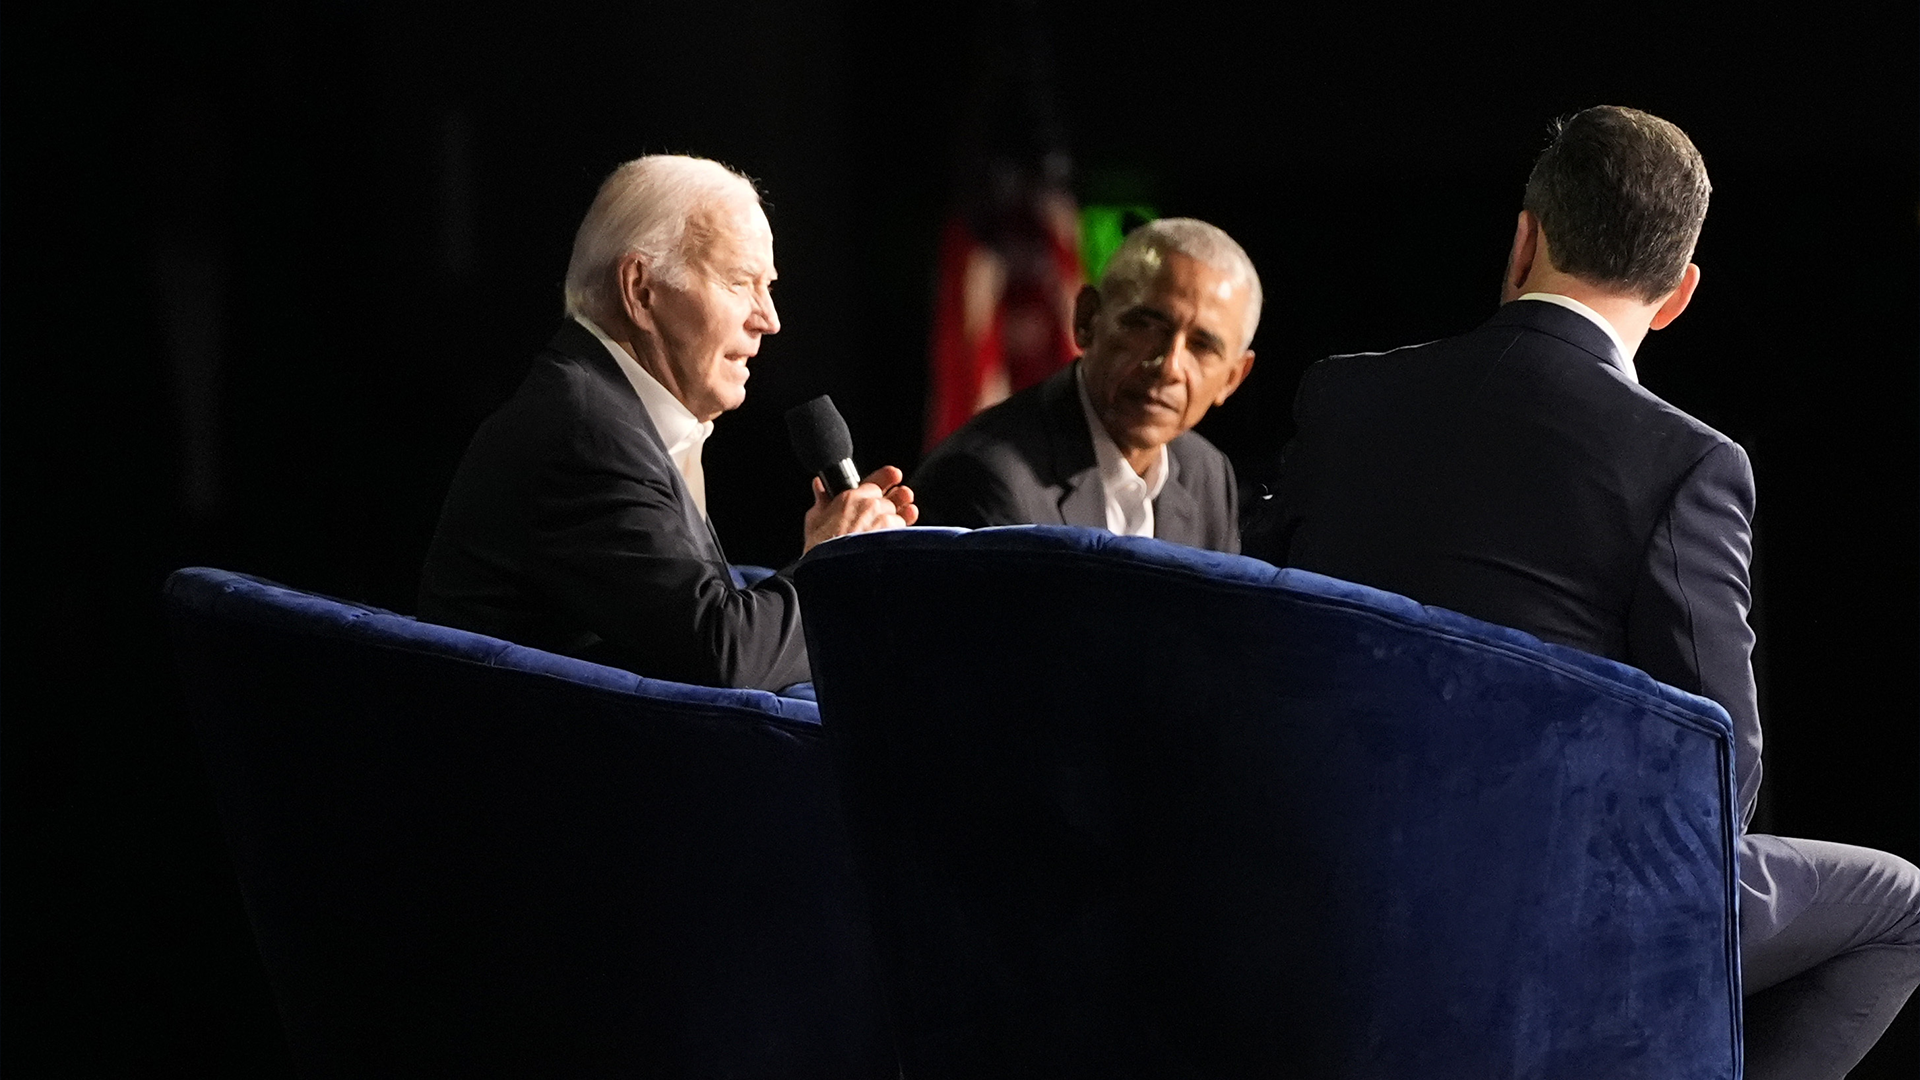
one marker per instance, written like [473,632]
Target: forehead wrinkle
[750,263]
[1128,289]
[723,250]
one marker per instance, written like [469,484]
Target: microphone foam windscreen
[819,433]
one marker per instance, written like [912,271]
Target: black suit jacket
[1029,461]
[569,529]
[1518,475]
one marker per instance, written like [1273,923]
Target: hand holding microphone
[843,503]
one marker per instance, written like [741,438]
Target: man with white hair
[577,521]
[1106,442]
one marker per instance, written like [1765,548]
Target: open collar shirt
[683,434]
[1129,496]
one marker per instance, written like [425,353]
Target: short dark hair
[1621,195]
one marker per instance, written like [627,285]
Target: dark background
[266,266]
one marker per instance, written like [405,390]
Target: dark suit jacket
[569,529]
[1029,461]
[1516,474]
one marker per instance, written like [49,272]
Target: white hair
[652,205]
[1138,260]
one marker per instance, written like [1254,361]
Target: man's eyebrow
[1150,311]
[1165,319]
[1207,335]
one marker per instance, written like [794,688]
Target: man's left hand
[880,502]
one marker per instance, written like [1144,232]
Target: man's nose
[1166,364]
[765,318]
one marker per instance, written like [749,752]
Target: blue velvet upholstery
[1131,809]
[462,857]
[744,575]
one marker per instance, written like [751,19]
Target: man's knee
[1899,881]
[1804,901]
[1884,887]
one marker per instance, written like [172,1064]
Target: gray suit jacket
[1029,461]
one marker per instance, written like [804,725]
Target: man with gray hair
[577,522]
[1107,441]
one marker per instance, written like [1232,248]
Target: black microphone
[823,444]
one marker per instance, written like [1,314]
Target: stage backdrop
[266,266]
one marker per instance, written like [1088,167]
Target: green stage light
[1102,227]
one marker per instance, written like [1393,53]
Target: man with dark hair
[1623,193]
[1519,473]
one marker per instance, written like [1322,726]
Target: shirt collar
[1115,474]
[1599,320]
[678,427]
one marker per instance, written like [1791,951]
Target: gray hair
[651,205]
[1139,258]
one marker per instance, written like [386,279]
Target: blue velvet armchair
[462,857]
[1130,809]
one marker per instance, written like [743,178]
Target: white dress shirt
[1619,346]
[683,435]
[1129,496]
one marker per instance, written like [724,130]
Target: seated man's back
[1520,475]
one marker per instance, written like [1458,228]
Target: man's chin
[730,394]
[1147,426]
[722,400]
[1147,436]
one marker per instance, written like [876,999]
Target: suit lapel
[713,534]
[577,342]
[1082,500]
[1176,514]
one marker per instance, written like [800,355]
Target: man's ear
[1677,300]
[1085,307]
[636,289]
[1240,372]
[1520,260]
